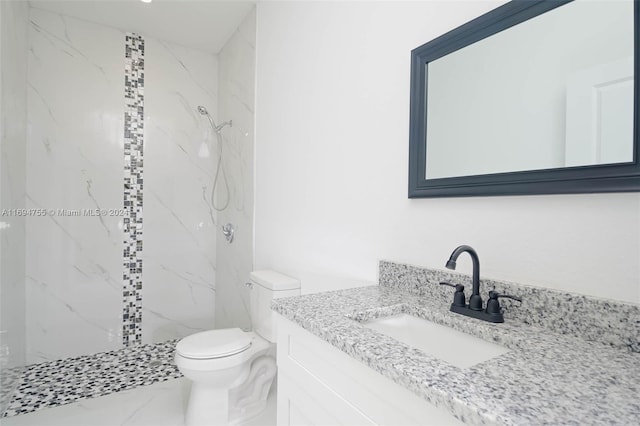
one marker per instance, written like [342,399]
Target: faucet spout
[475,301]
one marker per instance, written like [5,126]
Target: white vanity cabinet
[320,385]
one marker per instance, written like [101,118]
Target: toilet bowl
[217,362]
[232,370]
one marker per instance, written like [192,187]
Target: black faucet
[493,312]
[475,301]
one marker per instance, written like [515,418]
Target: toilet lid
[214,344]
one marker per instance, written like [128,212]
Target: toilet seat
[243,353]
[214,344]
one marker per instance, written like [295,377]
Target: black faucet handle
[458,297]
[459,287]
[494,295]
[493,306]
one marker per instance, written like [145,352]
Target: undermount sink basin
[444,343]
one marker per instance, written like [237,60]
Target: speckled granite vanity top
[574,362]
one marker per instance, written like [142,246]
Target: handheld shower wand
[219,167]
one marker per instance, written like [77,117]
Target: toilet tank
[266,286]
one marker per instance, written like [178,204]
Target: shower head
[203,111]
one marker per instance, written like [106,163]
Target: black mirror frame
[620,177]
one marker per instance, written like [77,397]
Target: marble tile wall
[237,92]
[13,116]
[179,253]
[75,160]
[76,157]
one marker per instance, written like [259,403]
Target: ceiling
[201,24]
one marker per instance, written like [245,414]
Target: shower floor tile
[61,382]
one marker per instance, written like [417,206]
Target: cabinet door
[306,402]
[320,385]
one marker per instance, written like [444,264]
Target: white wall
[13,117]
[237,103]
[332,119]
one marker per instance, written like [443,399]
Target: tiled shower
[119,248]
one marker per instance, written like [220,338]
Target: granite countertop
[545,378]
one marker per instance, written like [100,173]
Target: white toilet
[232,370]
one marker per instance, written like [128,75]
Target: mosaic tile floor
[54,383]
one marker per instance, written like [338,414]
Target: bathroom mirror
[534,97]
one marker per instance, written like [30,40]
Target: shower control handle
[228,231]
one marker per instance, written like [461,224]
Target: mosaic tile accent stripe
[133,186]
[60,382]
